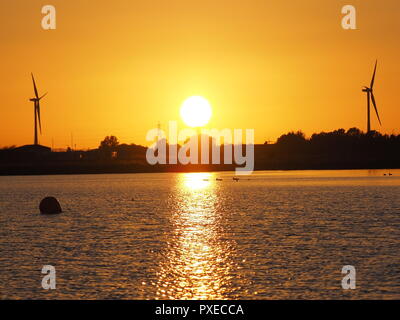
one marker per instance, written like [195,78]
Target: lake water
[272,235]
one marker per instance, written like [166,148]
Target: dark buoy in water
[50,205]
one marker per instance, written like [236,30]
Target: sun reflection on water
[197,262]
[197,180]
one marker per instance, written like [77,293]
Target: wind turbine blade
[34,87]
[376,109]
[373,77]
[43,96]
[38,111]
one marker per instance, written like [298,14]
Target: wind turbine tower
[370,97]
[36,111]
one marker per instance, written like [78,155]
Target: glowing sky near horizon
[121,67]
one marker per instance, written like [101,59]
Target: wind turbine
[370,96]
[36,110]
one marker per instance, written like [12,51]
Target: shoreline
[116,170]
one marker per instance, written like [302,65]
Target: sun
[196,111]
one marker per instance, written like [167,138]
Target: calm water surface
[273,235]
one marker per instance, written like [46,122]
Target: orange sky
[118,67]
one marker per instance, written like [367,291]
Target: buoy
[50,205]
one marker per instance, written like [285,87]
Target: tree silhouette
[109,142]
[108,147]
[293,141]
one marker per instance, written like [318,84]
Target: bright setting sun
[196,111]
